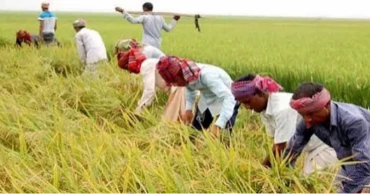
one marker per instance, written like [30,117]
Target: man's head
[312,101]
[45,6]
[126,44]
[131,60]
[20,34]
[79,24]
[23,35]
[253,91]
[147,6]
[178,72]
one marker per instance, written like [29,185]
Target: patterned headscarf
[170,66]
[242,89]
[127,44]
[131,60]
[23,35]
[307,105]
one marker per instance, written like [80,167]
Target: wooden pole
[164,13]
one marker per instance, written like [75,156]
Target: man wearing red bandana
[262,95]
[23,36]
[343,126]
[213,83]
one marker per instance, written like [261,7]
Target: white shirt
[152,27]
[280,121]
[90,46]
[151,79]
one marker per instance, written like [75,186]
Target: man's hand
[187,117]
[215,131]
[365,190]
[277,150]
[118,9]
[176,17]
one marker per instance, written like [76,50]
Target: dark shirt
[348,133]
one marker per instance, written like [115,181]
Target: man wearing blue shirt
[48,24]
[345,127]
[214,85]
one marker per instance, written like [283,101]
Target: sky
[281,8]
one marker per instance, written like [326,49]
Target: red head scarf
[170,66]
[307,105]
[131,60]
[24,36]
[246,88]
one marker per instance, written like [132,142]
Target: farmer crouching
[344,127]
[23,36]
[90,47]
[262,94]
[216,99]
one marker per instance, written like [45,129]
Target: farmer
[197,22]
[216,99]
[23,36]
[90,46]
[124,45]
[152,24]
[141,60]
[262,95]
[345,127]
[48,24]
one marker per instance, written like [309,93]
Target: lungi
[175,106]
[319,159]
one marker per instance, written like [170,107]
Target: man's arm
[41,27]
[296,144]
[169,27]
[80,48]
[190,95]
[216,85]
[128,17]
[358,135]
[55,26]
[277,150]
[41,20]
[132,20]
[285,126]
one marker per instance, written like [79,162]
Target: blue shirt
[349,134]
[214,85]
[49,20]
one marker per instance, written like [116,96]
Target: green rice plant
[63,132]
